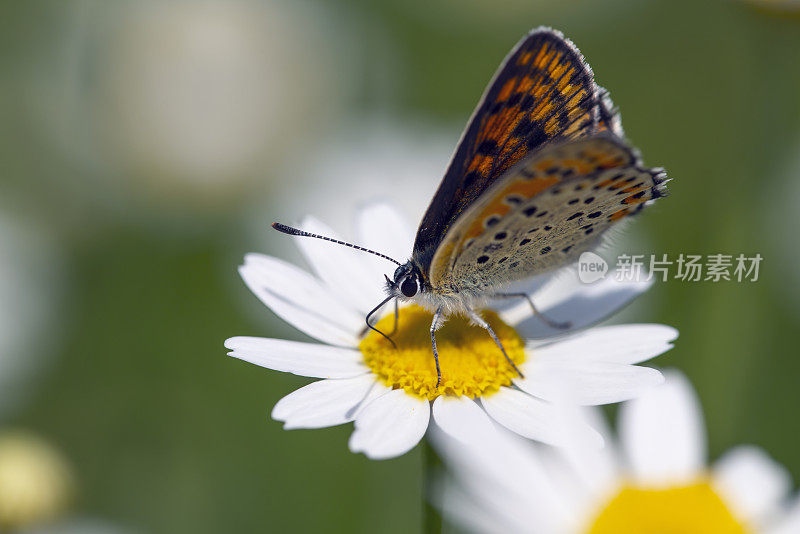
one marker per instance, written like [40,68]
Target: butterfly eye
[409,286]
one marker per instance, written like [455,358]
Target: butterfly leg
[477,319]
[375,310]
[396,317]
[545,319]
[434,327]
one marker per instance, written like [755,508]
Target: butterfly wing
[543,213]
[544,90]
[608,114]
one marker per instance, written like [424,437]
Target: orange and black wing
[608,119]
[543,91]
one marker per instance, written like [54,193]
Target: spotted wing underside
[543,213]
[544,90]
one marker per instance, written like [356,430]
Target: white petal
[566,298]
[504,478]
[516,308]
[586,382]
[462,418]
[753,485]
[566,482]
[476,514]
[390,425]
[327,402]
[662,433]
[299,299]
[789,522]
[633,343]
[597,469]
[535,419]
[304,359]
[342,268]
[383,228]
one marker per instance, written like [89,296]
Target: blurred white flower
[370,159]
[778,228]
[78,525]
[30,286]
[194,100]
[35,481]
[390,393]
[656,480]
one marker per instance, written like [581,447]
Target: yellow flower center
[471,363]
[691,509]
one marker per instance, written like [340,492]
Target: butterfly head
[406,283]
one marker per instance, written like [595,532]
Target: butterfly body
[541,172]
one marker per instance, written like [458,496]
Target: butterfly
[541,172]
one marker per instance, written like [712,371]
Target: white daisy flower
[656,480]
[390,393]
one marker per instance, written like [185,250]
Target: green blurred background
[146,146]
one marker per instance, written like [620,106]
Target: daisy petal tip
[278,413]
[230,344]
[357,445]
[753,480]
[251,259]
[658,377]
[649,379]
[649,376]
[584,433]
[244,273]
[595,439]
[670,333]
[234,354]
[643,286]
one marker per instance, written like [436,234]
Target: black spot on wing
[487,147]
[471,178]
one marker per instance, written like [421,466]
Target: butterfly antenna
[294,231]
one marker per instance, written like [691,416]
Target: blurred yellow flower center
[692,509]
[35,481]
[471,363]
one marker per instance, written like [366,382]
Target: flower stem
[431,465]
